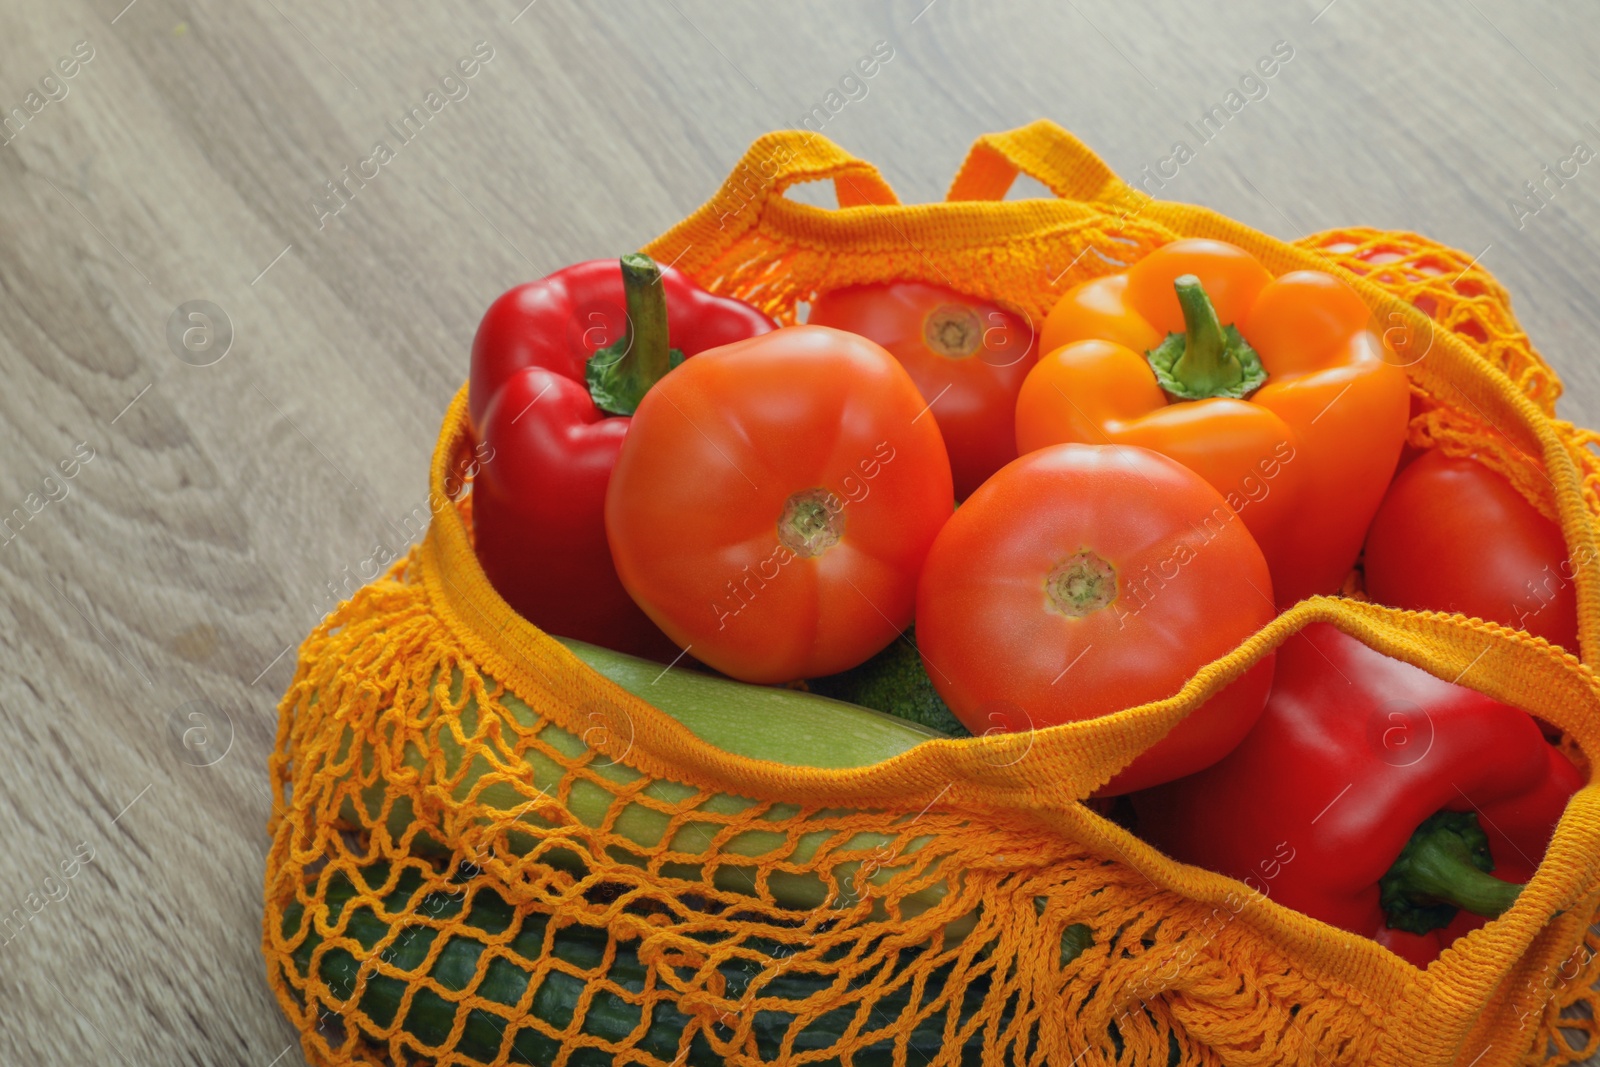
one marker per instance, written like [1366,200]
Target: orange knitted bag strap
[1050,155]
[774,162]
[779,160]
[789,157]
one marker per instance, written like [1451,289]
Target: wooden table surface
[220,493]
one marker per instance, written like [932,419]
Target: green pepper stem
[620,374]
[1206,363]
[1444,867]
[1208,359]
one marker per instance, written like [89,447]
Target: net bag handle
[1048,154]
[779,160]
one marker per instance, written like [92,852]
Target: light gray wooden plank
[197,544]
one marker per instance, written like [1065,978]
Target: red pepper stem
[620,374]
[1444,863]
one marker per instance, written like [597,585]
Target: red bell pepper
[558,366]
[1373,796]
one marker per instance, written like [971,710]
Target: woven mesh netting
[486,856]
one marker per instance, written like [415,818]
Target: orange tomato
[967,356]
[773,502]
[1454,535]
[1084,579]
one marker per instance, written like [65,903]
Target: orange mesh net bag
[487,853]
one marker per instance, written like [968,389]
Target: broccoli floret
[895,682]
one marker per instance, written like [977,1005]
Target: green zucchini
[787,726]
[608,1016]
[762,722]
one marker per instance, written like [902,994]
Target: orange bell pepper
[1280,392]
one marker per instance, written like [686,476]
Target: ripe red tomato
[1083,579]
[967,356]
[1453,535]
[773,502]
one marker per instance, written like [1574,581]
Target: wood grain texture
[163,588]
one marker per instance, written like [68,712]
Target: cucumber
[786,726]
[608,1016]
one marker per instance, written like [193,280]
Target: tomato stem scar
[952,330]
[1081,584]
[811,522]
